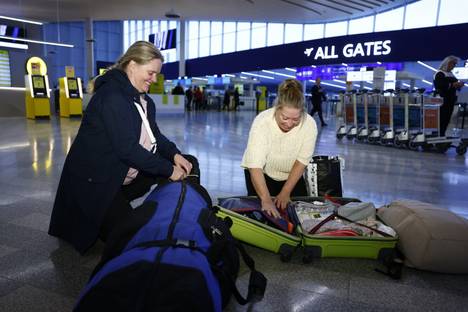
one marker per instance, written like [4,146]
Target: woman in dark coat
[447,85]
[114,158]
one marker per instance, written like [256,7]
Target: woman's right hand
[178,174]
[269,207]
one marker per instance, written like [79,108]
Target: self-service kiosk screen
[38,82]
[39,86]
[72,85]
[72,88]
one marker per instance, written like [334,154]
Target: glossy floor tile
[41,273]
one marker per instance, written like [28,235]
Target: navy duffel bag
[173,254]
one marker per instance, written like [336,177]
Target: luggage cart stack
[387,133]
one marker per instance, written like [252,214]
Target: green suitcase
[261,235]
[314,246]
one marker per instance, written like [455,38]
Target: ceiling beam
[360,4]
[328,6]
[301,6]
[346,5]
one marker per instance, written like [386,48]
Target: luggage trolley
[387,133]
[361,115]
[430,121]
[407,116]
[400,116]
[341,115]
[373,113]
[348,128]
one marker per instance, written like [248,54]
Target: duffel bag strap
[257,281]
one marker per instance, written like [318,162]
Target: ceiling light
[20,20]
[257,75]
[406,85]
[344,64]
[331,85]
[367,88]
[243,77]
[427,66]
[279,74]
[340,81]
[425,81]
[228,75]
[38,41]
[13,45]
[290,69]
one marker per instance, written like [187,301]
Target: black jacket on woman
[106,146]
[443,84]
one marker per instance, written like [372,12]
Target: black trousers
[120,208]
[317,107]
[275,187]
[446,111]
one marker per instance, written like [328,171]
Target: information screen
[38,82]
[72,85]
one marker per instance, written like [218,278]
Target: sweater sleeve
[255,154]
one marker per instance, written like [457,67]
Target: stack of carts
[400,118]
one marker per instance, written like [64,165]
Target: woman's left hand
[183,163]
[282,200]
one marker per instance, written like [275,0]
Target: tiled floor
[40,273]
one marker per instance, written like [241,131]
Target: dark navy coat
[106,145]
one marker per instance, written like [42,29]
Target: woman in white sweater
[281,144]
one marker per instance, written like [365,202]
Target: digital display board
[5,73]
[164,40]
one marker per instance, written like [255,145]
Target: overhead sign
[420,44]
[350,50]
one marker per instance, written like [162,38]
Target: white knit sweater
[275,151]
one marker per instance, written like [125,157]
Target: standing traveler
[447,85]
[318,95]
[118,153]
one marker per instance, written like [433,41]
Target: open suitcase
[264,234]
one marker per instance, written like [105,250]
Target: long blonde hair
[141,52]
[290,95]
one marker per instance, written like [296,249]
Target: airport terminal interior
[360,69]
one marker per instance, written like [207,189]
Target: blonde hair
[290,95]
[444,65]
[141,52]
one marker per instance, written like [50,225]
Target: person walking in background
[280,146]
[447,85]
[318,95]
[236,98]
[118,153]
[198,97]
[189,98]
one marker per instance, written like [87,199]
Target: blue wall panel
[59,57]
[108,43]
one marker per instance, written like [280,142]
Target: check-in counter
[168,103]
[12,103]
[250,103]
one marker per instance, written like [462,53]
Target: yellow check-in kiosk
[71,94]
[261,98]
[37,89]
